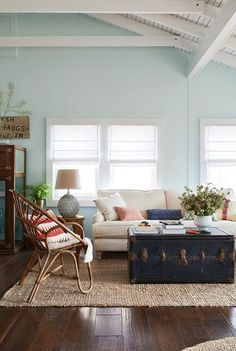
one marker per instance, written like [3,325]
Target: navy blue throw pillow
[164,214]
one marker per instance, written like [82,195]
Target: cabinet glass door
[2,212]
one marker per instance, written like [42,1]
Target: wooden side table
[77,219]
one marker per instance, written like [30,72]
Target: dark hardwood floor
[164,328]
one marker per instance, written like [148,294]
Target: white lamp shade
[68,179]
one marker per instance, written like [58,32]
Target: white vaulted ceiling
[206,29]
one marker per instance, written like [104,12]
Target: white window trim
[104,172]
[203,124]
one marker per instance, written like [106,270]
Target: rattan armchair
[41,227]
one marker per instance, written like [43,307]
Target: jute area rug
[112,288]
[226,344]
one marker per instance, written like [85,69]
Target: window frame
[204,123]
[103,159]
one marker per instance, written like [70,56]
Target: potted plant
[203,203]
[38,193]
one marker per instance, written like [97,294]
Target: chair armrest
[61,219]
[74,224]
[98,217]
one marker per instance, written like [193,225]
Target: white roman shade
[75,142]
[132,143]
[221,145]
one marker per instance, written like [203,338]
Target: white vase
[203,222]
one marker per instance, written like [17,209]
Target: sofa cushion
[141,199]
[172,199]
[115,229]
[164,214]
[128,213]
[107,206]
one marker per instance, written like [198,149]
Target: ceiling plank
[226,59]
[103,6]
[212,11]
[88,41]
[221,29]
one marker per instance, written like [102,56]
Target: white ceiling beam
[103,6]
[129,24]
[178,24]
[220,31]
[88,41]
[212,11]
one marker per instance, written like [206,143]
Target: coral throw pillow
[128,213]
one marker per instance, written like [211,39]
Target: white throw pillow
[106,206]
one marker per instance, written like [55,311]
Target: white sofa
[111,235]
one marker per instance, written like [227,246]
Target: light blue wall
[212,95]
[115,83]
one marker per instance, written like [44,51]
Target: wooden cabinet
[12,176]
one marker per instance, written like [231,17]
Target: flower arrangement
[39,191]
[204,202]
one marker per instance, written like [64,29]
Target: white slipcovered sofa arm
[98,218]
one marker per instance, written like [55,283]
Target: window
[133,156]
[218,153]
[108,155]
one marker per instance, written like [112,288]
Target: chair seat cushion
[115,229]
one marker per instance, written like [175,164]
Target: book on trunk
[172,225]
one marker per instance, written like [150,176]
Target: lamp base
[68,205]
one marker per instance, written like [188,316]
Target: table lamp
[68,205]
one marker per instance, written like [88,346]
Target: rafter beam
[215,39]
[129,24]
[103,6]
[186,27]
[88,41]
[177,24]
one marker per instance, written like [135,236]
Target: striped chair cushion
[44,223]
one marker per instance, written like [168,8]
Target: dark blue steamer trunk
[181,258]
